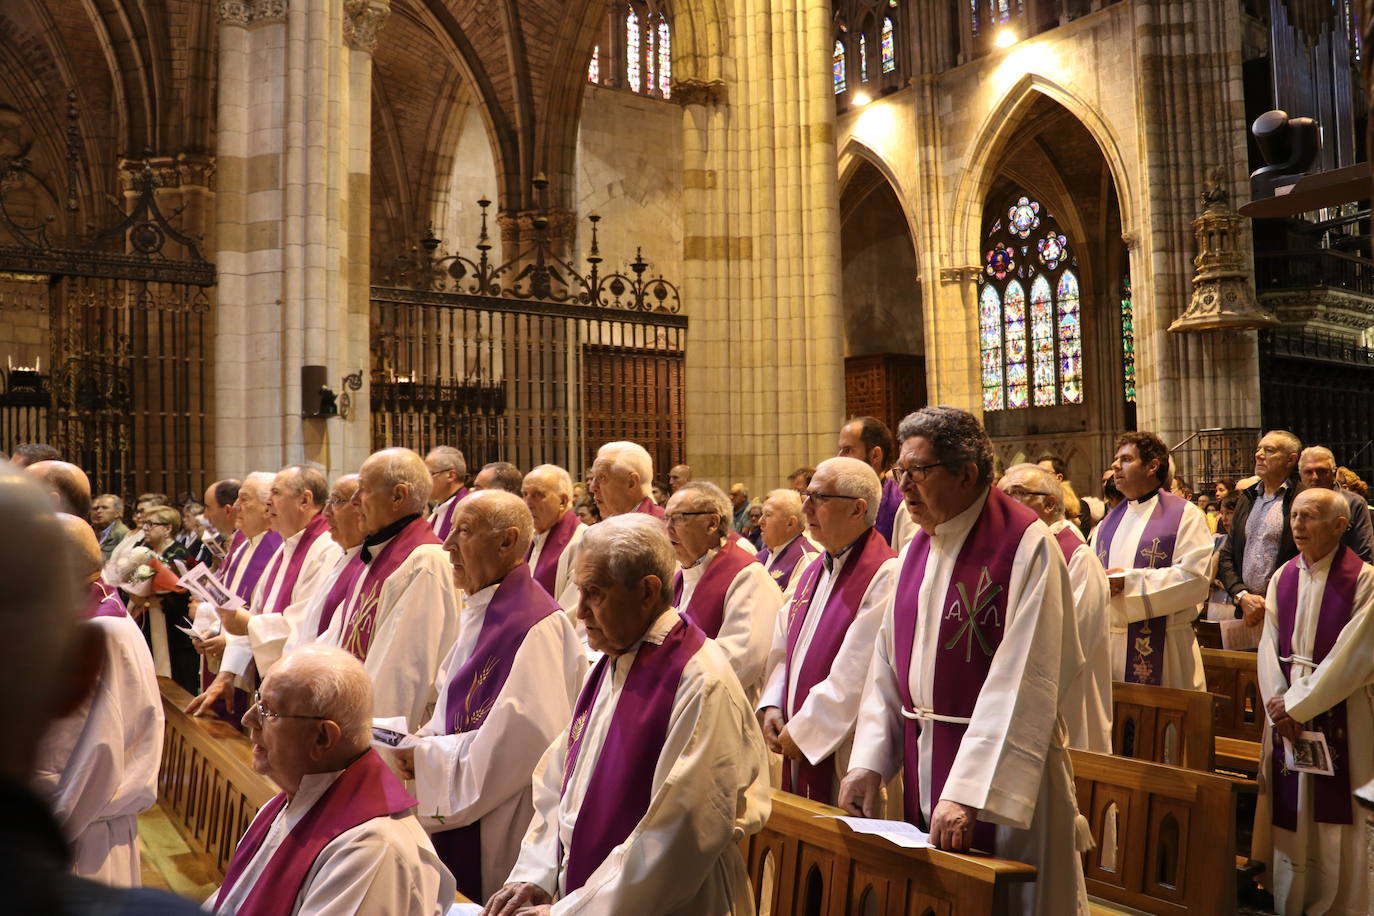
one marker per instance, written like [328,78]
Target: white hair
[330,682]
[502,509]
[856,478]
[401,465]
[634,546]
[449,458]
[1043,481]
[562,480]
[789,501]
[630,457]
[706,496]
[1317,453]
[260,482]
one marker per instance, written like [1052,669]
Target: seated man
[639,806]
[341,837]
[1316,665]
[98,765]
[786,551]
[505,692]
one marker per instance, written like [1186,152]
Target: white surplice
[1087,702]
[385,865]
[1013,764]
[824,724]
[564,590]
[1173,592]
[1319,868]
[752,601]
[415,626]
[308,628]
[268,634]
[99,764]
[710,789]
[903,528]
[484,774]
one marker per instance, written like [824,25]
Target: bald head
[1319,518]
[87,561]
[68,484]
[392,484]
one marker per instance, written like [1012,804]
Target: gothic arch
[854,155]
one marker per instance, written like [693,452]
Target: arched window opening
[594,68]
[632,50]
[1127,340]
[889,45]
[863,58]
[838,67]
[665,57]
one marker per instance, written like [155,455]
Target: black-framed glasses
[440,471]
[263,714]
[822,497]
[917,472]
[677,518]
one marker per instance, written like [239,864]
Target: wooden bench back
[1162,725]
[1239,713]
[801,865]
[1166,836]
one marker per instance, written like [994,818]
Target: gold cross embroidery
[1153,553]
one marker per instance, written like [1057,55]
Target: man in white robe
[970,663]
[725,592]
[354,843]
[548,492]
[1157,552]
[1316,666]
[346,528]
[98,765]
[786,549]
[823,641]
[448,472]
[1087,703]
[506,691]
[401,616]
[641,803]
[622,479]
[869,440]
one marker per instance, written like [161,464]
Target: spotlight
[861,99]
[1005,38]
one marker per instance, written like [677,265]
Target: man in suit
[107,511]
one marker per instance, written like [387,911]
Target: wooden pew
[1238,717]
[804,866]
[1175,835]
[1162,725]
[207,786]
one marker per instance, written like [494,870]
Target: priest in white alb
[724,591]
[448,473]
[786,549]
[622,480]
[548,492]
[1157,552]
[342,837]
[400,616]
[346,529]
[823,640]
[1316,674]
[98,765]
[1087,703]
[969,668]
[640,805]
[506,691]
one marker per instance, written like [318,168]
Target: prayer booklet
[898,833]
[204,585]
[1236,634]
[1309,754]
[465,909]
[196,632]
[1219,606]
[390,733]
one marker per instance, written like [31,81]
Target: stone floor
[168,863]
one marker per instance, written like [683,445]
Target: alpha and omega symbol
[976,614]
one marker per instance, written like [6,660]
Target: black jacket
[1232,556]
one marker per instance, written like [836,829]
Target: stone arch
[854,155]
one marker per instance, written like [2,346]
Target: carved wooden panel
[884,385]
[1162,724]
[1233,679]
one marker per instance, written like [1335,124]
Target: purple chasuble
[1155,550]
[231,555]
[871,551]
[648,507]
[365,789]
[973,614]
[621,784]
[887,509]
[707,607]
[361,612]
[104,601]
[785,563]
[519,604]
[1330,794]
[446,522]
[340,590]
[560,535]
[314,529]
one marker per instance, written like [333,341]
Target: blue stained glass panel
[838,67]
[1042,343]
[889,47]
[990,341]
[1070,340]
[1014,322]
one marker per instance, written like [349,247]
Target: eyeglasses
[1022,493]
[338,500]
[438,472]
[148,526]
[917,472]
[822,497]
[678,518]
[263,714]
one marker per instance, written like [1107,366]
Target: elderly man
[1317,469]
[220,498]
[1157,552]
[969,667]
[107,511]
[98,765]
[448,471]
[548,493]
[639,805]
[1087,703]
[823,644]
[341,836]
[869,440]
[621,480]
[677,476]
[1316,665]
[498,475]
[785,546]
[67,484]
[1259,539]
[506,691]
[346,528]
[401,616]
[725,592]
[739,504]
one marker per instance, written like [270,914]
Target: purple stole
[546,570]
[518,605]
[231,554]
[1068,542]
[446,523]
[364,790]
[973,613]
[103,601]
[816,781]
[257,562]
[362,611]
[707,607]
[784,564]
[341,589]
[887,509]
[1145,638]
[621,785]
[316,527]
[1330,794]
[648,507]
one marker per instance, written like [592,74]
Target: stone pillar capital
[252,12]
[698,92]
[363,21]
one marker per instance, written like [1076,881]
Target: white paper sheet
[898,833]
[465,909]
[1235,634]
[204,585]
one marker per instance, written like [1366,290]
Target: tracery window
[866,57]
[889,45]
[1032,345]
[594,68]
[633,59]
[838,67]
[863,58]
[636,49]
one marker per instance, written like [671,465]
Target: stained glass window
[863,58]
[650,57]
[632,55]
[594,68]
[1070,339]
[1042,342]
[1003,10]
[1127,340]
[889,47]
[1014,332]
[973,15]
[1025,217]
[839,67]
[990,334]
[665,58]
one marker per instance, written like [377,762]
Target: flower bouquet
[141,573]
